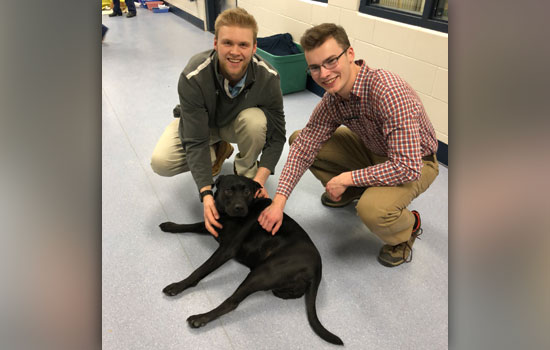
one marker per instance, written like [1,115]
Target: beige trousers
[248,131]
[382,209]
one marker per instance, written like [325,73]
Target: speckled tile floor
[367,305]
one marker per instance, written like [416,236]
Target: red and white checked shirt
[388,116]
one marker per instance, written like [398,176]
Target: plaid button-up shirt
[388,116]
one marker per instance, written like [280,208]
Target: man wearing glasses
[369,139]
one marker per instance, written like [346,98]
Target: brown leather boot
[223,151]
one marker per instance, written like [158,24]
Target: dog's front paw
[167,226]
[173,289]
[197,321]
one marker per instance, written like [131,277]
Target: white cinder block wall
[195,8]
[418,55]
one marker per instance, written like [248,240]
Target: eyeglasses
[329,63]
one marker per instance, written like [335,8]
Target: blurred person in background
[118,12]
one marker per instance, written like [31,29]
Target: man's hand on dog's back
[271,217]
[211,215]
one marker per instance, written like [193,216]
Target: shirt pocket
[356,124]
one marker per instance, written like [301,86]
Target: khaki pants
[382,209]
[248,131]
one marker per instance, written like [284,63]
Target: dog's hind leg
[258,279]
[180,228]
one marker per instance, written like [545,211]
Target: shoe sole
[388,264]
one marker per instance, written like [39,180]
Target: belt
[429,158]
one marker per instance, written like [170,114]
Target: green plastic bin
[291,68]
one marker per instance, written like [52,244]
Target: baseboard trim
[197,22]
[442,153]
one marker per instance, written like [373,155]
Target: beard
[233,72]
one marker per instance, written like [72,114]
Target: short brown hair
[316,36]
[237,17]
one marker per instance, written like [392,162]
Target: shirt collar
[356,90]
[235,90]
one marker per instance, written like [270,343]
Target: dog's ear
[257,186]
[217,183]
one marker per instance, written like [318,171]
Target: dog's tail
[311,296]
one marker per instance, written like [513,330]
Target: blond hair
[237,17]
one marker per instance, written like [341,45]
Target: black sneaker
[114,14]
[351,194]
[396,255]
[131,14]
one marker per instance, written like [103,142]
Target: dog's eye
[228,192]
[246,192]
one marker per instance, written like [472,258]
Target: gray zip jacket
[205,104]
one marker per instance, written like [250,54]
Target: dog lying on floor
[288,263]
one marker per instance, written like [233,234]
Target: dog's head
[234,194]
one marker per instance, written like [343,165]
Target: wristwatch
[205,193]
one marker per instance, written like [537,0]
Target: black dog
[287,263]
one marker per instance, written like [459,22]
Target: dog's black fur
[287,263]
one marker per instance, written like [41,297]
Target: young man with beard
[368,139]
[227,95]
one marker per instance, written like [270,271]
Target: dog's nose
[239,209]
